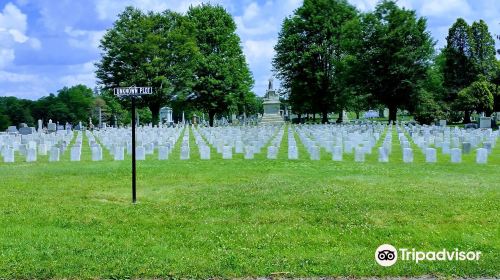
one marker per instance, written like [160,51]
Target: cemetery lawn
[246,218]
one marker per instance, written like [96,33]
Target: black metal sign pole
[134,92]
[133,151]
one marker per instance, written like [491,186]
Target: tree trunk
[467,117]
[324,117]
[314,117]
[155,112]
[211,116]
[357,115]
[299,116]
[393,113]
[341,117]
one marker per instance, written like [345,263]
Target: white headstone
[204,152]
[383,156]
[54,154]
[337,153]
[184,153]
[96,153]
[359,154]
[162,153]
[407,155]
[75,153]
[227,152]
[119,153]
[482,156]
[8,155]
[430,155]
[293,152]
[249,152]
[31,155]
[456,155]
[140,153]
[314,153]
[272,152]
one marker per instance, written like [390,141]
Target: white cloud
[16,78]
[445,8]
[80,74]
[109,9]
[259,50]
[84,39]
[13,26]
[11,18]
[7,56]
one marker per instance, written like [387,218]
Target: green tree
[459,70]
[79,100]
[16,111]
[476,97]
[154,49]
[483,50]
[309,54]
[222,75]
[397,53]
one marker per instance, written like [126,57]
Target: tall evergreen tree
[483,50]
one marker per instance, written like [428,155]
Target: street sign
[133,92]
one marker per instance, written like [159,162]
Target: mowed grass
[245,218]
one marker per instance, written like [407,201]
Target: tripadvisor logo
[387,255]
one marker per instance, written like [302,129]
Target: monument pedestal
[271,107]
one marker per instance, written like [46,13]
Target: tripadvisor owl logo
[386,255]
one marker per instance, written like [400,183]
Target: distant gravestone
[51,127]
[249,154]
[205,152]
[293,152]
[96,153]
[184,152]
[315,155]
[75,153]
[470,126]
[12,129]
[54,154]
[119,153]
[442,123]
[456,155]
[488,146]
[485,122]
[42,149]
[359,154]
[140,153]
[430,155]
[337,153]
[481,156]
[8,155]
[31,155]
[383,155]
[272,152]
[407,155]
[162,153]
[227,152]
[26,130]
[466,147]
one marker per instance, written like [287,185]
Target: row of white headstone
[249,140]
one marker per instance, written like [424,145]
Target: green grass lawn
[240,218]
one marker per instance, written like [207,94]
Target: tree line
[194,60]
[331,57]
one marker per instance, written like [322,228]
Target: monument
[271,106]
[166,115]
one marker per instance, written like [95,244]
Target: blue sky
[48,44]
